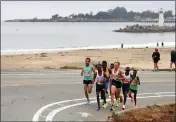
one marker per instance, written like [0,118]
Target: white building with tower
[161,17]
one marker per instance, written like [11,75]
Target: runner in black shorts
[117,77]
[100,86]
[87,71]
[126,85]
[135,81]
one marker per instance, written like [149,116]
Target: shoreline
[139,58]
[107,47]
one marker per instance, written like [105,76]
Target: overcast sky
[44,9]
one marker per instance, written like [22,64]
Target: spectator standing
[156,58]
[173,58]
[162,44]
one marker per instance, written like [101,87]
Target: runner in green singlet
[87,71]
[134,86]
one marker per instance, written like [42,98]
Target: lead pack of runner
[110,81]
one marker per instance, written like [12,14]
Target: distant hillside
[118,14]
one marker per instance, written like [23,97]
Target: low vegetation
[155,113]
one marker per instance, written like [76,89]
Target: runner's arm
[94,76]
[110,71]
[82,71]
[93,70]
[123,76]
[104,74]
[138,80]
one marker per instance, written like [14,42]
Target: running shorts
[133,90]
[101,88]
[155,60]
[87,82]
[116,83]
[125,88]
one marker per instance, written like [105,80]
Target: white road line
[61,105]
[39,112]
[54,112]
[43,116]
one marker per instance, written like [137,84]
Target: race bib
[134,82]
[87,73]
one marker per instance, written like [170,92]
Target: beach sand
[137,58]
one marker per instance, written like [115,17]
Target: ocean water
[21,38]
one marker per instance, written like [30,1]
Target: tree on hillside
[55,17]
[168,14]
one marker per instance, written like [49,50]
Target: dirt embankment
[155,113]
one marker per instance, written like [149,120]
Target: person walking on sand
[162,44]
[122,45]
[126,85]
[156,58]
[134,87]
[87,71]
[157,44]
[173,59]
[117,77]
[100,76]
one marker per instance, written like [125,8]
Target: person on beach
[117,77]
[107,72]
[100,76]
[162,44]
[126,85]
[135,81]
[173,58]
[156,58]
[87,71]
[157,44]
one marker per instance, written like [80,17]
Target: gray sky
[44,9]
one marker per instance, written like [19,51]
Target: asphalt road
[41,95]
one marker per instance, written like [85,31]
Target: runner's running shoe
[112,108]
[123,108]
[105,105]
[88,102]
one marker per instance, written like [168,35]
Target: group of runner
[112,78]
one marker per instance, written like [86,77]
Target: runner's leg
[118,96]
[89,88]
[98,100]
[135,100]
[106,88]
[86,93]
[129,93]
[113,91]
[125,89]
